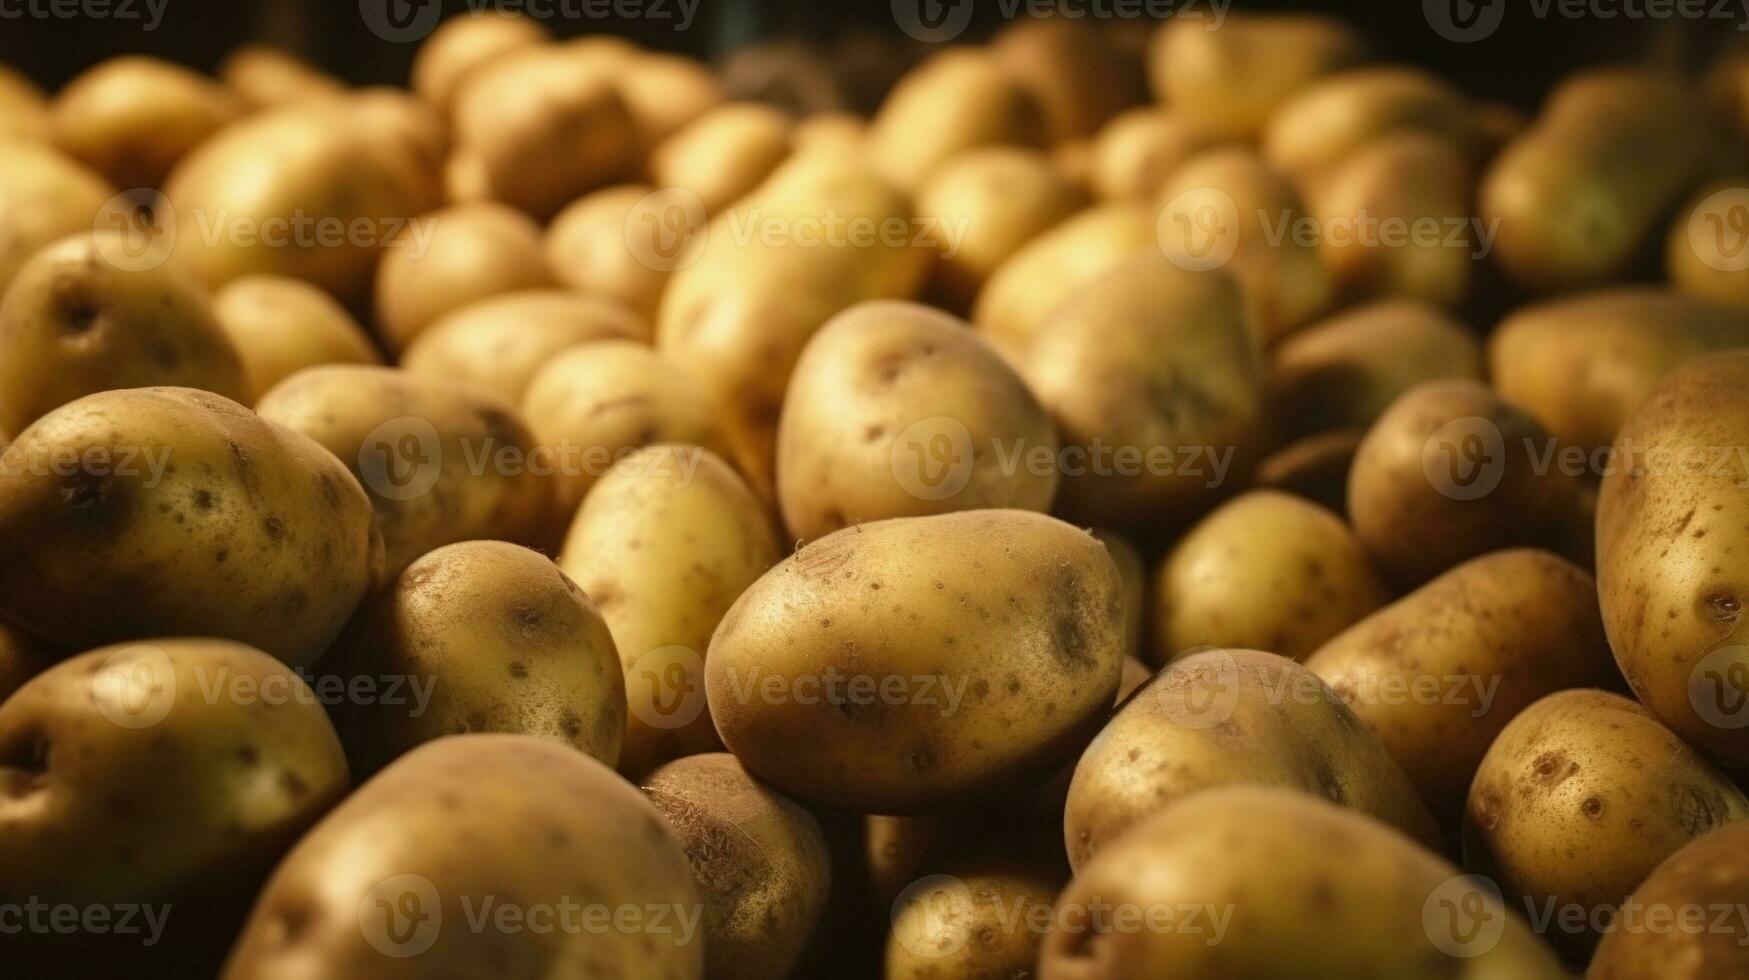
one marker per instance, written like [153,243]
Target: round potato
[461,43]
[958,100]
[451,259]
[1248,873]
[500,344]
[132,118]
[442,462]
[266,77]
[588,247]
[1231,76]
[1265,571]
[1671,925]
[912,664]
[723,154]
[1579,799]
[1313,132]
[1135,152]
[1070,69]
[80,319]
[1155,379]
[977,922]
[181,513]
[898,410]
[1437,674]
[281,326]
[759,860]
[44,197]
[594,886]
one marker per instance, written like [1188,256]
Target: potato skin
[429,830]
[1508,627]
[459,44]
[45,196]
[1294,872]
[973,922]
[760,862]
[1013,620]
[1670,540]
[1138,149]
[1265,571]
[417,446]
[872,396]
[723,154]
[214,787]
[1315,131]
[1698,260]
[473,252]
[74,323]
[1581,797]
[1232,79]
[1270,723]
[281,326]
[1707,874]
[223,523]
[664,544]
[958,100]
[132,118]
[22,657]
[1315,467]
[501,640]
[587,250]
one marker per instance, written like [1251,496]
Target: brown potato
[24,110]
[1675,924]
[1316,468]
[464,42]
[1133,570]
[723,154]
[132,118]
[1070,69]
[281,326]
[1136,151]
[22,657]
[1232,75]
[450,259]
[665,93]
[958,100]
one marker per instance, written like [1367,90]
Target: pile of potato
[1221,507]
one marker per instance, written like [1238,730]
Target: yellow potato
[1133,570]
[463,43]
[24,110]
[958,100]
[588,247]
[450,259]
[1136,151]
[665,93]
[132,118]
[500,344]
[281,326]
[1231,74]
[1070,69]
[1684,921]
[723,154]
[266,77]
[1703,253]
[1317,129]
[44,197]
[975,922]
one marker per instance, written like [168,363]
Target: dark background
[1516,64]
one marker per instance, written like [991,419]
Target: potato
[1265,571]
[834,133]
[664,544]
[450,259]
[1232,76]
[1674,924]
[1576,196]
[912,664]
[1703,251]
[1232,716]
[1136,151]
[1581,364]
[983,206]
[44,197]
[132,118]
[266,78]
[1452,471]
[1155,381]
[1046,272]
[1670,572]
[1316,468]
[1395,220]
[406,128]
[1578,800]
[24,110]
[281,326]
[1132,569]
[1344,372]
[723,154]
[982,921]
[462,43]
[590,406]
[665,93]
[22,657]
[211,788]
[300,191]
[1225,208]
[1316,130]
[544,124]
[899,410]
[594,886]
[1248,873]
[500,344]
[1437,674]
[1071,71]
[489,637]
[442,462]
[958,100]
[588,247]
[760,862]
[79,318]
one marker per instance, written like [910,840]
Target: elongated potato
[132,118]
[908,665]
[1231,75]
[1232,716]
[1265,571]
[500,344]
[1313,132]
[1581,364]
[958,100]
[441,461]
[1579,799]
[898,410]
[1155,379]
[1135,152]
[664,544]
[1674,924]
[178,512]
[281,326]
[1437,674]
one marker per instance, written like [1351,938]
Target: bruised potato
[80,319]
[1071,68]
[1265,571]
[500,344]
[281,326]
[491,637]
[908,665]
[178,512]
[760,862]
[1232,716]
[132,118]
[393,874]
[898,410]
[1673,925]
[450,259]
